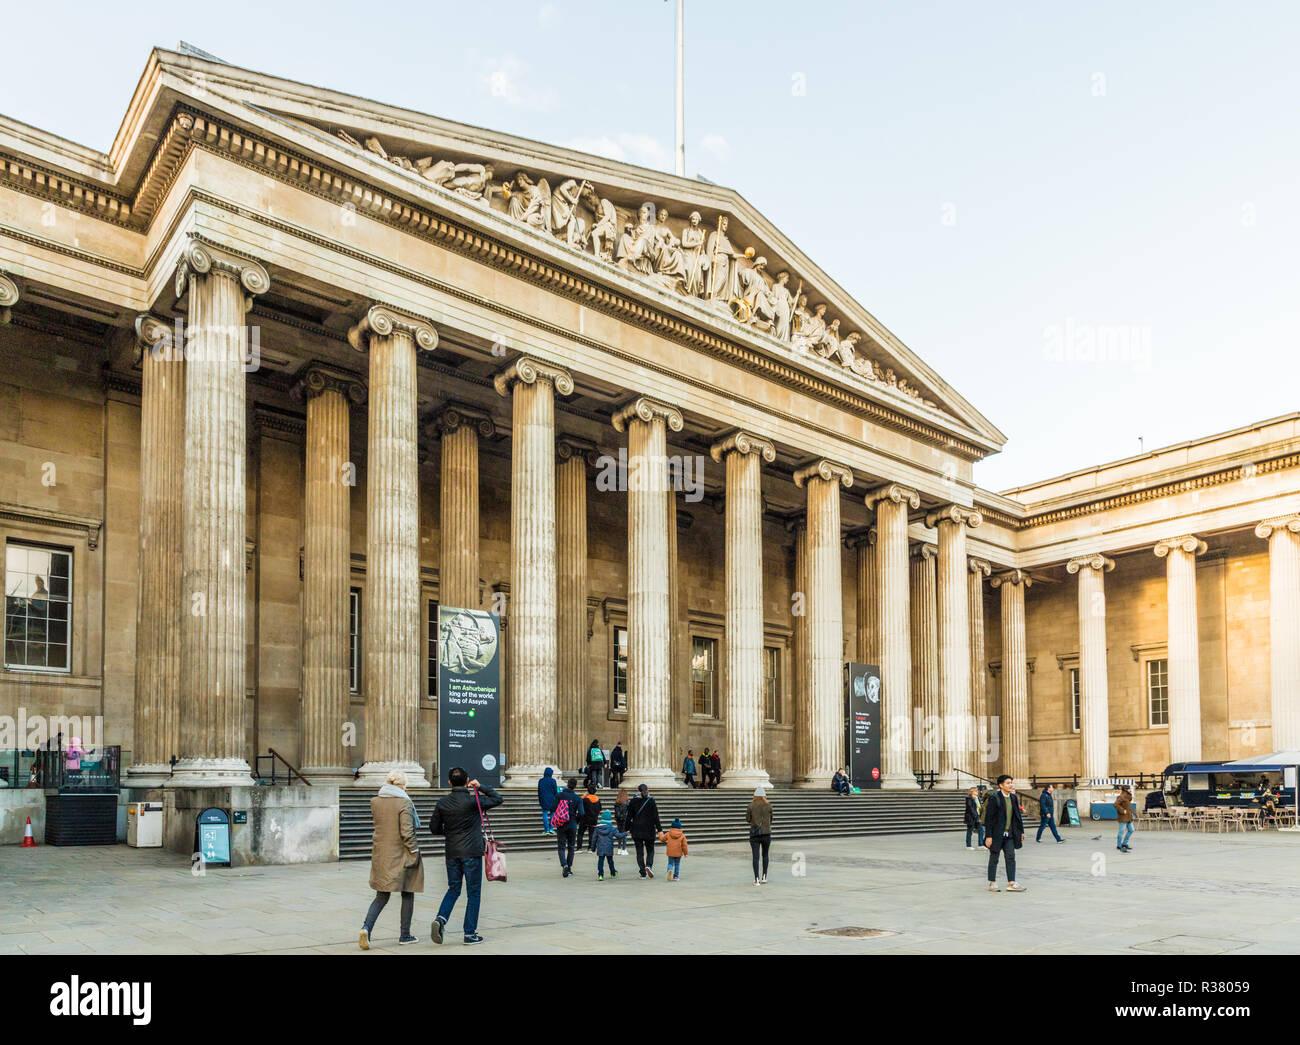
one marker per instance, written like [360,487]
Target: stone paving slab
[1177,893]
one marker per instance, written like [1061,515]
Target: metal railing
[1140,781]
[278,776]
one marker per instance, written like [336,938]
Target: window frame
[68,600]
[1147,664]
[615,708]
[356,654]
[773,691]
[711,713]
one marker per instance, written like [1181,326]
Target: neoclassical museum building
[286,370]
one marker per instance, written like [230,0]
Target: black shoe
[1128,849]
[435,930]
[408,939]
[567,871]
[476,938]
[1060,841]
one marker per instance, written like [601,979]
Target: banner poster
[862,687]
[469,694]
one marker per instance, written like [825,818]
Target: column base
[814,782]
[150,774]
[340,775]
[744,779]
[949,782]
[375,774]
[899,782]
[211,772]
[527,776]
[655,779]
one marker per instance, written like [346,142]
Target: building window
[1158,691]
[435,634]
[620,669]
[1074,699]
[704,657]
[38,608]
[354,639]
[772,682]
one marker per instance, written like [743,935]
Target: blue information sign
[214,836]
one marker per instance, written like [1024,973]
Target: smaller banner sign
[469,694]
[862,686]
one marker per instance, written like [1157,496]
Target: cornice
[44,517]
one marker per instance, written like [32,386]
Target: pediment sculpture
[700,261]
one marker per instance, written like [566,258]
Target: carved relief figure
[529,201]
[810,326]
[694,263]
[722,283]
[604,230]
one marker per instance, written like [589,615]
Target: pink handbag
[494,859]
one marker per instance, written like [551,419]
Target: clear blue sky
[994,182]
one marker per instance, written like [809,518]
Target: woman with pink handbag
[459,817]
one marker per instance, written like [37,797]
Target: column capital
[924,552]
[1282,522]
[452,415]
[1096,561]
[316,378]
[198,258]
[381,320]
[643,408]
[9,295]
[741,442]
[795,520]
[1011,577]
[857,538]
[981,566]
[893,492]
[824,469]
[158,337]
[569,447]
[530,371]
[955,513]
[1188,543]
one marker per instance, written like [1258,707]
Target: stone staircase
[707,816]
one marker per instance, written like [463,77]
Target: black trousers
[564,839]
[587,831]
[381,901]
[762,842]
[1005,845]
[645,854]
[615,776]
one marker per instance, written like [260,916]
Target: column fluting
[1283,537]
[572,456]
[1184,680]
[1015,673]
[927,724]
[981,739]
[1094,699]
[952,522]
[459,427]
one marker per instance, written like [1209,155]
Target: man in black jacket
[567,833]
[617,764]
[1004,832]
[456,817]
[1047,813]
[644,826]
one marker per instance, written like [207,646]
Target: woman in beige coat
[395,864]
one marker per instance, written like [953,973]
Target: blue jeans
[546,820]
[1122,838]
[1048,822]
[969,829]
[469,870]
[674,867]
[600,863]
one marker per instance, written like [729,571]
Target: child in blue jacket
[605,845]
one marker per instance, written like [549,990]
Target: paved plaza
[1176,893]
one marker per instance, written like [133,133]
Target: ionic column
[532,386]
[1015,673]
[743,455]
[649,698]
[979,569]
[327,570]
[868,607]
[158,611]
[820,722]
[573,457]
[394,657]
[9,295]
[797,525]
[1283,537]
[1094,701]
[925,660]
[952,522]
[891,504]
[214,592]
[1184,646]
[459,427]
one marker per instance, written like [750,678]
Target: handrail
[275,757]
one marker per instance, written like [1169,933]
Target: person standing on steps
[716,762]
[973,819]
[1047,813]
[458,817]
[547,789]
[617,765]
[1004,829]
[595,763]
[759,817]
[566,824]
[643,820]
[395,863]
[590,818]
[1124,814]
[688,768]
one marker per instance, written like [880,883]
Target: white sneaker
[993,887]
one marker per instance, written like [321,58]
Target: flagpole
[681,91]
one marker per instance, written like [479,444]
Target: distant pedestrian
[547,789]
[565,820]
[688,768]
[595,763]
[973,819]
[1124,814]
[590,818]
[395,863]
[643,822]
[617,765]
[715,770]
[605,837]
[458,817]
[674,840]
[706,768]
[1047,813]
[1004,828]
[621,820]
[840,782]
[759,817]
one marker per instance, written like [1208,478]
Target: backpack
[561,815]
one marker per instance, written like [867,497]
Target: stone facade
[413,369]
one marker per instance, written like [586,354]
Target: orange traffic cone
[28,841]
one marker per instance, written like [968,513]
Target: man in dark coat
[973,821]
[456,818]
[547,789]
[617,765]
[1004,829]
[1047,813]
[566,835]
[644,826]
